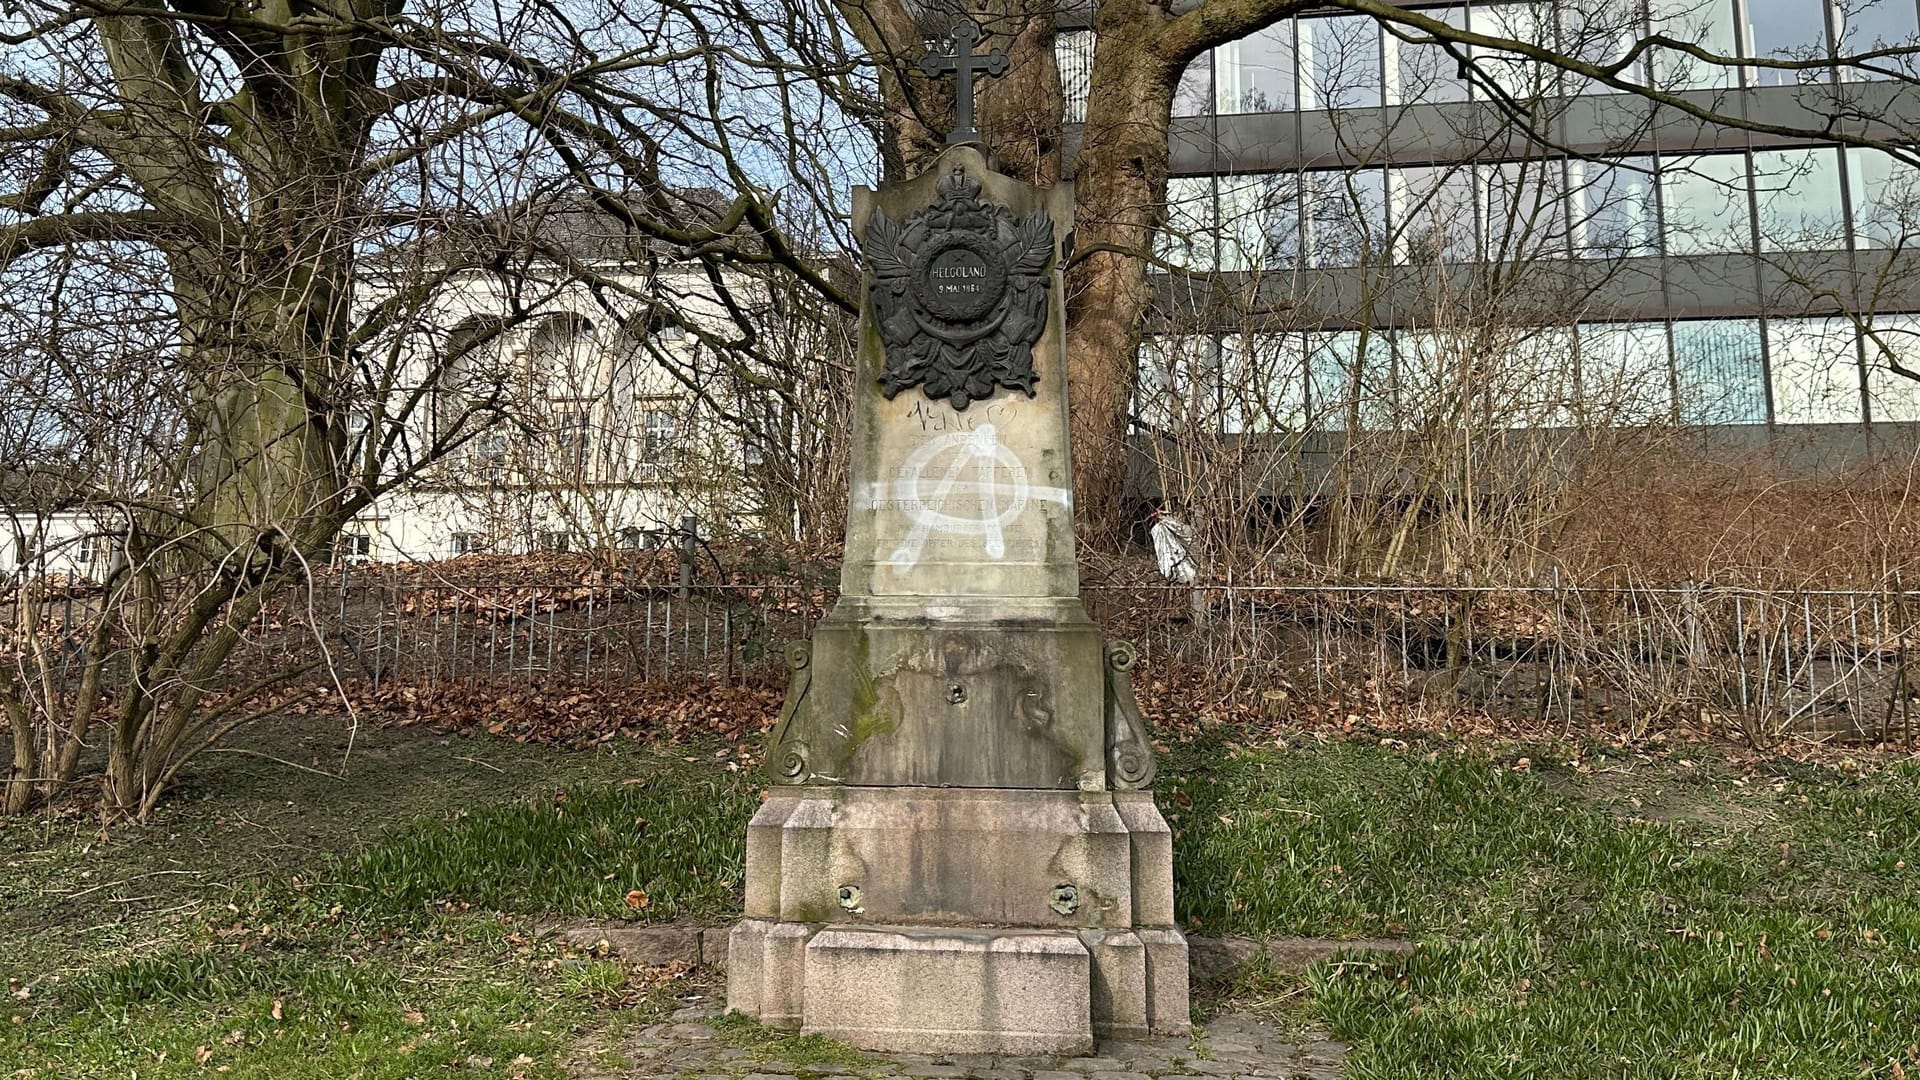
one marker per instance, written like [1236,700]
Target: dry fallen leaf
[276,1008]
[636,899]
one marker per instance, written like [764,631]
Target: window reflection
[1434,213]
[1524,210]
[1705,204]
[1867,25]
[1892,345]
[1613,208]
[1533,23]
[1187,240]
[1194,95]
[1260,221]
[1706,23]
[1346,216]
[1600,32]
[1886,199]
[1340,62]
[1797,197]
[1816,372]
[1624,374]
[1786,30]
[1255,74]
[1263,383]
[1423,74]
[1719,372]
[1073,52]
[1349,380]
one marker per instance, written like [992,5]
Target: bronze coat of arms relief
[959,294]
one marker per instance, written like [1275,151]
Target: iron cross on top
[963,63]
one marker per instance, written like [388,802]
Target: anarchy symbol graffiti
[981,490]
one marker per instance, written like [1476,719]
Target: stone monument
[959,853]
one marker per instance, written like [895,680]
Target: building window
[1886,199]
[1346,216]
[1816,371]
[1891,342]
[1719,371]
[656,435]
[463,543]
[1255,73]
[1194,95]
[1704,200]
[489,457]
[1515,76]
[555,540]
[572,436]
[1706,23]
[1426,74]
[1073,53]
[1615,212]
[1786,30]
[1625,376]
[1187,240]
[1797,199]
[1434,212]
[1340,62]
[1524,210]
[1868,25]
[356,545]
[1259,222]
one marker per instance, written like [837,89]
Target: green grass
[1765,925]
[191,947]
[678,839]
[1585,917]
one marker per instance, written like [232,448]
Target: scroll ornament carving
[1129,753]
[787,757]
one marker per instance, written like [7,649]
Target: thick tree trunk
[1120,185]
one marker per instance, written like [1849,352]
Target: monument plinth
[959,854]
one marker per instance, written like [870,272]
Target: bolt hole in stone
[956,694]
[1066,899]
[850,899]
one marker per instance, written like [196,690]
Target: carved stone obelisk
[959,853]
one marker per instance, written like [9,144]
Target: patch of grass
[225,937]
[807,1054]
[1773,930]
[332,1008]
[677,837]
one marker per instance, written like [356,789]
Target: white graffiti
[981,490]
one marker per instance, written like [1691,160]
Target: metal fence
[1753,663]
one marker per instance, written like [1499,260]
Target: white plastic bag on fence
[1173,548]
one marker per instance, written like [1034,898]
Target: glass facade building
[1378,196]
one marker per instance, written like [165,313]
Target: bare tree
[195,196]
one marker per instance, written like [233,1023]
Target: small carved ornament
[787,756]
[1129,753]
[959,294]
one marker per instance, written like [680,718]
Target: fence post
[689,536]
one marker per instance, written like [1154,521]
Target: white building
[591,406]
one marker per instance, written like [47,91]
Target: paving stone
[1233,1045]
[1324,1051]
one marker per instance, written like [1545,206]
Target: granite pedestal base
[971,920]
